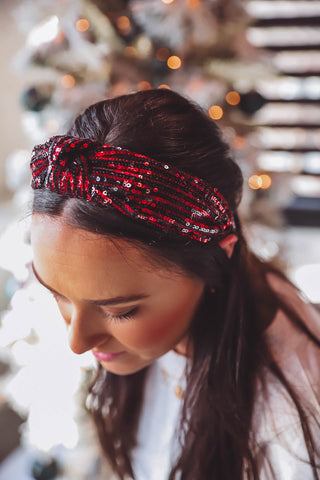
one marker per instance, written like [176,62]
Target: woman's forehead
[74,261]
[56,235]
[63,253]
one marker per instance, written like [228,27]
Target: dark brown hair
[227,332]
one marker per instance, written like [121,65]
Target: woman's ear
[228,243]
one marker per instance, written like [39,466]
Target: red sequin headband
[139,187]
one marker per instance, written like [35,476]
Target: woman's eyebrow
[108,301]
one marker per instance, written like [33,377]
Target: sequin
[175,200]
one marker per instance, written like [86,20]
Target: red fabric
[137,186]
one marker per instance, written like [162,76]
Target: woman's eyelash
[125,316]
[116,318]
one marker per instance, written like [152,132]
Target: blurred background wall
[11,85]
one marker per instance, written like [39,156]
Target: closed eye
[116,318]
[125,316]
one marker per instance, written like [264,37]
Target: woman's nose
[85,330]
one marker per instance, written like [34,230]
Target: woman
[208,358]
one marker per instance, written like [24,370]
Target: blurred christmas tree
[81,51]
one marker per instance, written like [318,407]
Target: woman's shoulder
[287,342]
[276,425]
[296,300]
[294,351]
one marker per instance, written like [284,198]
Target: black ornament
[35,99]
[251,102]
[45,469]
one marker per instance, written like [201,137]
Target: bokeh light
[82,24]
[162,54]
[238,142]
[68,81]
[263,181]
[164,85]
[52,125]
[233,97]
[216,112]
[195,84]
[144,47]
[255,182]
[174,62]
[130,51]
[167,2]
[266,181]
[144,85]
[193,3]
[123,24]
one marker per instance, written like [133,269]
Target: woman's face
[113,300]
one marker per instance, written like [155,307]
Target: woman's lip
[107,357]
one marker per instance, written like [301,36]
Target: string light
[144,85]
[123,23]
[68,81]
[260,181]
[82,24]
[233,98]
[216,112]
[174,62]
[162,54]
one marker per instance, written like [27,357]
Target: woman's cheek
[148,334]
